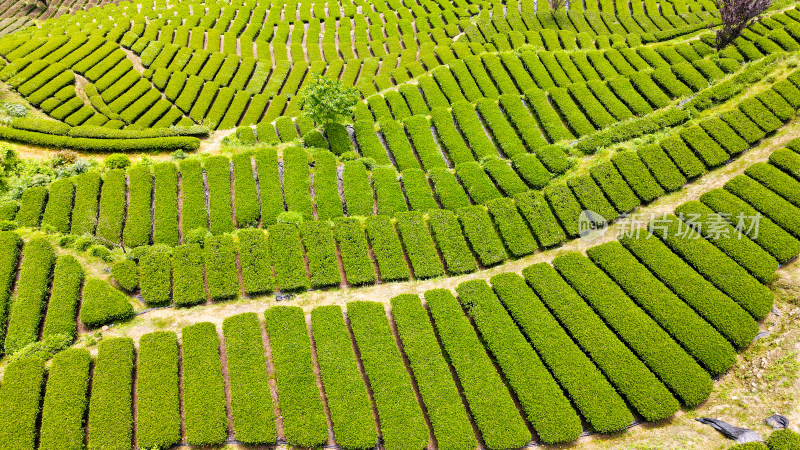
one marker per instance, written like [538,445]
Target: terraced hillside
[455,199]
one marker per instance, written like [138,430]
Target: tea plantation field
[482,135]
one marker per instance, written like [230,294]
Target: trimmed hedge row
[449,419]
[33,288]
[112,206]
[595,398]
[194,213]
[139,223]
[346,393]
[110,421]
[158,419]
[84,214]
[389,195]
[480,231]
[246,196]
[515,233]
[287,257]
[218,176]
[320,248]
[357,189]
[304,420]
[679,371]
[93,145]
[354,251]
[165,204]
[542,400]
[65,401]
[722,271]
[102,304]
[450,241]
[251,402]
[630,376]
[540,218]
[204,403]
[222,276]
[490,403]
[419,245]
[187,274]
[386,246]
[31,206]
[296,181]
[155,277]
[20,403]
[704,221]
[327,200]
[401,419]
[725,315]
[64,296]
[696,335]
[10,245]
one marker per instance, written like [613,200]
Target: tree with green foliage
[326,100]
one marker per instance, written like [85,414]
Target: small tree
[326,100]
[555,5]
[736,15]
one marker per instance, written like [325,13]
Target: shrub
[251,402]
[110,421]
[597,400]
[35,274]
[495,414]
[448,416]
[682,156]
[507,179]
[540,219]
[770,204]
[158,421]
[139,223]
[612,184]
[419,131]
[401,419]
[255,261]
[66,400]
[112,207]
[117,161]
[345,390]
[662,167]
[303,413]
[643,391]
[10,245]
[699,338]
[389,195]
[269,185]
[706,148]
[102,304]
[724,236]
[784,439]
